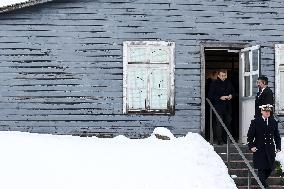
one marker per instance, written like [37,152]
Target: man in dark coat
[221,92]
[264,96]
[262,134]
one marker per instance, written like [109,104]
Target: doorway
[242,63]
[222,59]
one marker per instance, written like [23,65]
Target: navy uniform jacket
[266,97]
[263,136]
[220,88]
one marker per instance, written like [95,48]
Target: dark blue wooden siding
[61,62]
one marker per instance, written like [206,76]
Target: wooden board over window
[148,77]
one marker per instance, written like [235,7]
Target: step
[257,187]
[235,156]
[242,181]
[223,149]
[243,172]
[237,164]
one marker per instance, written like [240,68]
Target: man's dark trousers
[220,132]
[263,174]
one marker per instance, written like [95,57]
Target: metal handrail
[278,120]
[250,169]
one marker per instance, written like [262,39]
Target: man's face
[260,84]
[222,76]
[265,114]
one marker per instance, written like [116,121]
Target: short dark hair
[222,70]
[264,79]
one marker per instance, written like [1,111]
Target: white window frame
[251,72]
[278,68]
[171,67]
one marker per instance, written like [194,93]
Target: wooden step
[257,187]
[235,156]
[242,181]
[237,164]
[243,172]
[223,149]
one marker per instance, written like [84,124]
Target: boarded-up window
[279,79]
[148,72]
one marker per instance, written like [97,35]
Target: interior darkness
[216,59]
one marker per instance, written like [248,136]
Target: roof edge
[22,5]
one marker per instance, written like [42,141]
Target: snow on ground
[280,155]
[10,2]
[32,161]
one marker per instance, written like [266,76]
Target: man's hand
[226,97]
[223,97]
[253,149]
[277,150]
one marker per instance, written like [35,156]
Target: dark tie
[266,121]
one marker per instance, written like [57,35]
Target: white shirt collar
[264,119]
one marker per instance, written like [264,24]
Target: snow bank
[32,161]
[10,2]
[163,133]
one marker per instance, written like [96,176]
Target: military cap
[266,107]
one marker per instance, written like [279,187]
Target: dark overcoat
[263,137]
[266,97]
[220,88]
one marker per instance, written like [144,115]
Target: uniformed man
[264,95]
[263,133]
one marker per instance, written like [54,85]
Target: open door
[249,72]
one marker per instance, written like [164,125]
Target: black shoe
[265,186]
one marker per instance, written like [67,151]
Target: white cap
[267,107]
